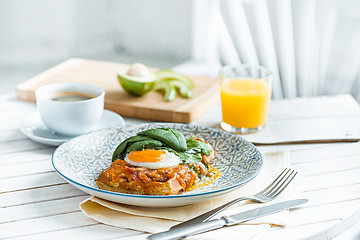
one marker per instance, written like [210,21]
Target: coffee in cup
[70,108]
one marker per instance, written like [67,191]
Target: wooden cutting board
[151,106]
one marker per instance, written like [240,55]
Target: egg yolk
[147,155]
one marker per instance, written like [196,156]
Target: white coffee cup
[70,108]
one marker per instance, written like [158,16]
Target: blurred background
[311,46]
[37,34]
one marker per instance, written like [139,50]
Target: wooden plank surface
[150,106]
[39,202]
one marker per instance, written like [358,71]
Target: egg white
[170,161]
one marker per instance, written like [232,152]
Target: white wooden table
[36,203]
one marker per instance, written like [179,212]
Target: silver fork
[266,195]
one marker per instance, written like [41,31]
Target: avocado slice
[169,90]
[165,74]
[184,89]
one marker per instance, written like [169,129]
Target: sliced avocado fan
[139,80]
[169,90]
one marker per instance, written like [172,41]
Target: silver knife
[177,233]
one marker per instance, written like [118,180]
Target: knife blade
[197,228]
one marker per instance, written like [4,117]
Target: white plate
[80,161]
[36,130]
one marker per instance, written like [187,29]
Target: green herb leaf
[171,137]
[121,149]
[145,144]
[172,140]
[191,157]
[198,146]
[185,157]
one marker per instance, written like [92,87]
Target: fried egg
[152,159]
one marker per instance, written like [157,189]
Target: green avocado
[165,74]
[139,80]
[135,85]
[169,90]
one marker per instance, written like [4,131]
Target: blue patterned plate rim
[157,196]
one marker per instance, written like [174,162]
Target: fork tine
[283,185]
[275,182]
[279,182]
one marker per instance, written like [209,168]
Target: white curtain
[312,47]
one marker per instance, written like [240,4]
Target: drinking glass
[245,94]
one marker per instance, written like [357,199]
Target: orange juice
[245,102]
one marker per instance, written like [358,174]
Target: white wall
[37,34]
[156,27]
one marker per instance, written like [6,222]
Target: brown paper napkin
[160,219]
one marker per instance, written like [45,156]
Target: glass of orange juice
[245,94]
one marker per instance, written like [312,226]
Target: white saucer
[35,129]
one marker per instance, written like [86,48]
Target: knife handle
[178,233]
